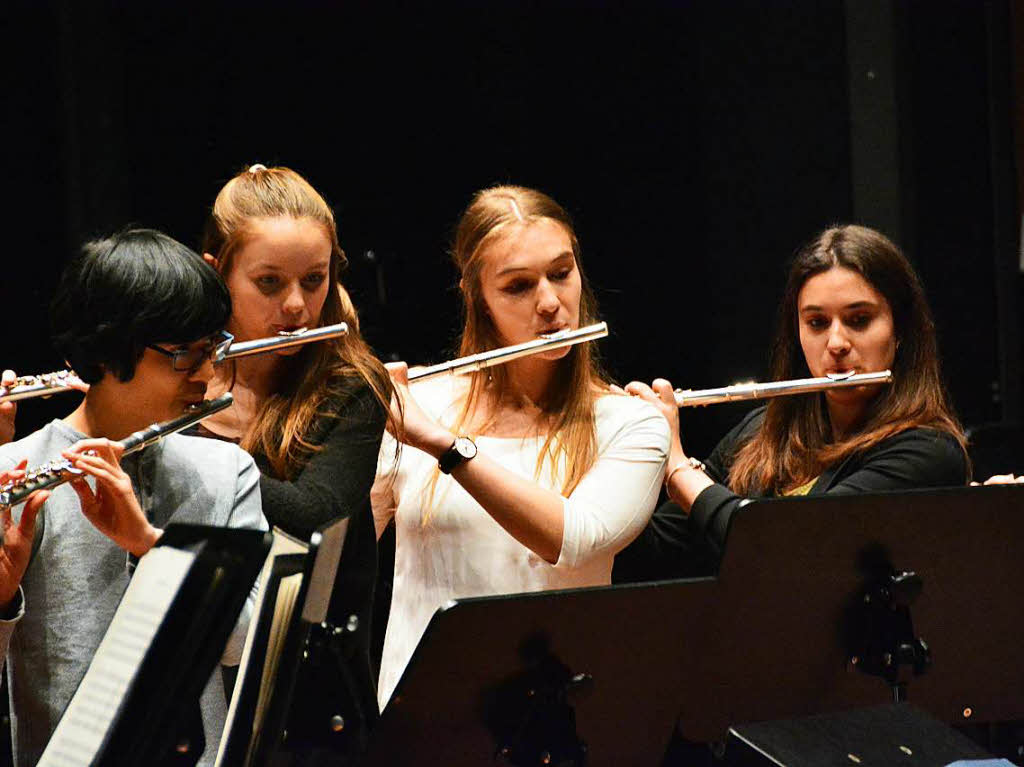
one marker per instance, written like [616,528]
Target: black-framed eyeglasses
[192,358]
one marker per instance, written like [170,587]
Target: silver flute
[62,470]
[283,340]
[474,362]
[25,387]
[60,381]
[695,397]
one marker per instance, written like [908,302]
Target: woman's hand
[113,509]
[661,394]
[8,410]
[418,429]
[16,547]
[683,481]
[76,383]
[1002,479]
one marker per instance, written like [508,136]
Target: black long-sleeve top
[675,544]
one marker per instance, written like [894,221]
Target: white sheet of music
[287,593]
[92,710]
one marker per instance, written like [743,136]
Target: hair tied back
[257,168]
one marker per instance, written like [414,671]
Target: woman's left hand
[418,429]
[113,509]
[8,410]
[661,394]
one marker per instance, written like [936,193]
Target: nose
[547,298]
[293,301]
[838,343]
[203,373]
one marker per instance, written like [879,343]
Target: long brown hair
[313,376]
[795,442]
[569,406]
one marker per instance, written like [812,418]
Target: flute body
[692,398]
[38,386]
[474,362]
[60,471]
[282,341]
[60,381]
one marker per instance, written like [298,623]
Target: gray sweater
[77,576]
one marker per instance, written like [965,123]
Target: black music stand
[155,720]
[792,588]
[530,678]
[545,677]
[319,567]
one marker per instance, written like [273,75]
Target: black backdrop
[697,144]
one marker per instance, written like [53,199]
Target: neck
[844,418]
[102,415]
[532,378]
[259,373]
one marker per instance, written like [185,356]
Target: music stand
[319,568]
[791,590]
[489,671]
[163,694]
[768,638]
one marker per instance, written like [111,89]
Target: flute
[691,398]
[62,470]
[43,385]
[475,362]
[53,383]
[283,340]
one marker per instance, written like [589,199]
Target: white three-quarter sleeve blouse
[456,550]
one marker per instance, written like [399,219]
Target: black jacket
[675,544]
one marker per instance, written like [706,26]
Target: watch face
[465,447]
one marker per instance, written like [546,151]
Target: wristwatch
[463,449]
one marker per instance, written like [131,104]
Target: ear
[210,260]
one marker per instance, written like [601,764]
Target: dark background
[697,145]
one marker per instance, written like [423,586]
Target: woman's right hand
[418,429]
[1002,479]
[661,394]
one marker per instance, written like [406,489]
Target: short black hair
[132,289]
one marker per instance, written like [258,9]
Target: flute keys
[37,478]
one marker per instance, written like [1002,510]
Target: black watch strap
[461,450]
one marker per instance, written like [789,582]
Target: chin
[555,354]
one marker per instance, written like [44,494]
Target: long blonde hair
[569,406]
[281,428]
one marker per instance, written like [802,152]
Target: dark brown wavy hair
[281,427]
[795,442]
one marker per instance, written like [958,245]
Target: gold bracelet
[689,463]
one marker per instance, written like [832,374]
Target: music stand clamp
[532,715]
[880,634]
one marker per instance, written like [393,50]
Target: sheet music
[87,719]
[284,606]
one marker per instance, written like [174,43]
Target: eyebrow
[854,305]
[555,260]
[266,265]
